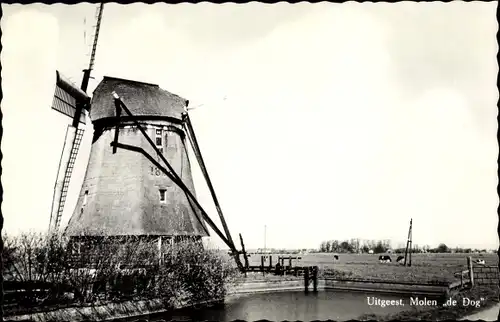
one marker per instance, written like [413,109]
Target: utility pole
[409,244]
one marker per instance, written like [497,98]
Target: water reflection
[291,306]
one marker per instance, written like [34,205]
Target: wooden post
[315,279]
[245,256]
[270,262]
[290,261]
[160,251]
[410,251]
[262,264]
[471,272]
[408,243]
[117,126]
[306,279]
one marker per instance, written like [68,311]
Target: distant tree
[379,248]
[346,247]
[386,243]
[322,247]
[354,245]
[335,246]
[442,248]
[417,249]
[365,248]
[328,246]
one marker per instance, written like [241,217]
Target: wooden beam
[117,127]
[177,180]
[199,157]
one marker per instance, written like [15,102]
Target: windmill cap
[142,99]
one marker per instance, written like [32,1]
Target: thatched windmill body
[123,193]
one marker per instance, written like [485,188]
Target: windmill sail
[67,98]
[71,101]
[71,146]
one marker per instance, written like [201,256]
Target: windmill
[72,102]
[134,185]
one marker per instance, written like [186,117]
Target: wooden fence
[477,274]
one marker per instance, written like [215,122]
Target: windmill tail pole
[196,148]
[199,157]
[244,251]
[177,180]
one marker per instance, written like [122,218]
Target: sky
[316,121]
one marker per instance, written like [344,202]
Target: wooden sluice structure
[310,273]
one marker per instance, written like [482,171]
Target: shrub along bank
[41,274]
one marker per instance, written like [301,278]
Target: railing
[280,270]
[464,277]
[310,273]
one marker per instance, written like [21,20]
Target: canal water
[292,306]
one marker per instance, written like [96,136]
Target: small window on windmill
[159,143]
[85,198]
[163,198]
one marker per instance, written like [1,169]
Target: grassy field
[426,268]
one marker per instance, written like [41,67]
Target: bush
[202,274]
[115,269]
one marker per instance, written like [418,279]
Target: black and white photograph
[251,161]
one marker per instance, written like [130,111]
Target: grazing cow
[480,261]
[336,257]
[384,259]
[400,259]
